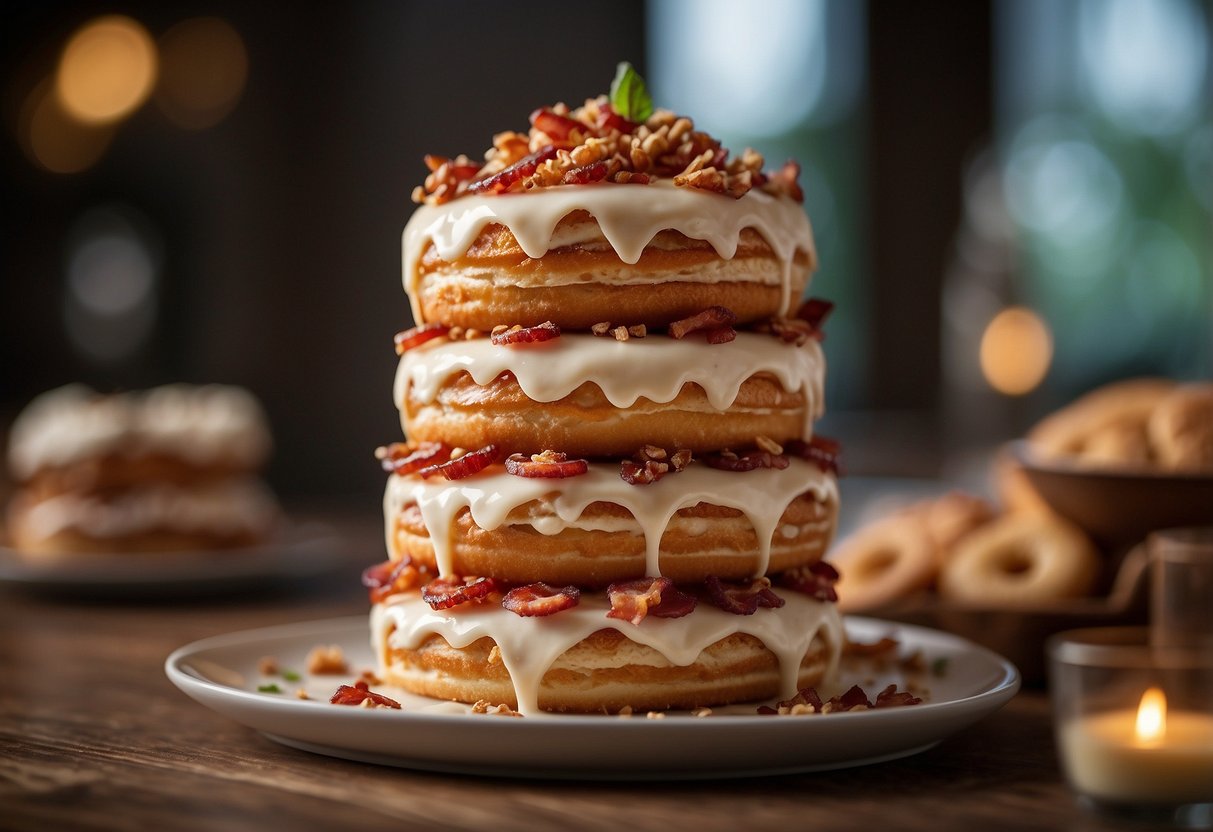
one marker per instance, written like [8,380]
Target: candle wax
[1104,758]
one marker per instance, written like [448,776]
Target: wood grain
[93,736]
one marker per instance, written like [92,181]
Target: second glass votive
[1181,603]
[1134,725]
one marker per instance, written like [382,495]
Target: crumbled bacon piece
[549,464]
[464,466]
[815,580]
[822,451]
[742,599]
[814,312]
[853,698]
[359,693]
[444,593]
[890,697]
[806,700]
[785,180]
[502,181]
[634,473]
[721,335]
[545,331]
[608,119]
[727,460]
[585,174]
[556,126]
[399,458]
[712,318]
[418,335]
[390,577]
[539,599]
[634,600]
[457,171]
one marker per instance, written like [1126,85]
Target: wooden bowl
[1117,508]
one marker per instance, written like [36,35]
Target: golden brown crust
[702,540]
[1106,427]
[1181,428]
[738,668]
[585,423]
[579,285]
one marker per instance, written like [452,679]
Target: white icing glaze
[762,495]
[628,216]
[243,505]
[197,424]
[530,646]
[654,368]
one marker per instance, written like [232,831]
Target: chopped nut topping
[300,693]
[701,712]
[458,452]
[638,331]
[267,666]
[769,445]
[500,328]
[601,328]
[653,452]
[455,333]
[495,655]
[483,706]
[620,333]
[326,660]
[472,334]
[655,715]
[681,459]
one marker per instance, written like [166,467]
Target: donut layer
[598,527]
[580,660]
[589,396]
[572,254]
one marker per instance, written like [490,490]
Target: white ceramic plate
[222,673]
[301,552]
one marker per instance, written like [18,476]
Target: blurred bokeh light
[54,141]
[1016,349]
[107,69]
[203,68]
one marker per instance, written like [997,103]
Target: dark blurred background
[1012,198]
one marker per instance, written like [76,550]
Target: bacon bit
[805,699]
[815,580]
[890,697]
[390,577]
[634,473]
[721,335]
[851,700]
[539,599]
[584,175]
[444,593]
[418,335]
[727,460]
[870,649]
[399,458]
[814,312]
[549,464]
[359,694]
[556,126]
[680,459]
[712,318]
[267,666]
[457,172]
[608,119]
[742,599]
[501,182]
[787,177]
[634,600]
[545,331]
[822,451]
[466,465]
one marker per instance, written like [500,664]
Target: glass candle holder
[1181,578]
[1134,725]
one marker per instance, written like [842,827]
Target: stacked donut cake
[610,496]
[168,469]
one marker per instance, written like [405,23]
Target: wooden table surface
[93,736]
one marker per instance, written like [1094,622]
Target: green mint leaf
[291,676]
[629,96]
[939,667]
[270,688]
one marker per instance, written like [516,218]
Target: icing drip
[626,222]
[531,646]
[762,495]
[553,369]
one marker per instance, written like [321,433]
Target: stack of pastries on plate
[163,470]
[610,496]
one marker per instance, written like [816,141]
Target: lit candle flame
[1152,715]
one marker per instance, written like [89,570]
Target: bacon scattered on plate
[358,693]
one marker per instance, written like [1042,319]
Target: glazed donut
[884,562]
[1012,487]
[575,255]
[1181,428]
[162,470]
[584,396]
[620,530]
[1020,561]
[951,517]
[592,663]
[1105,424]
